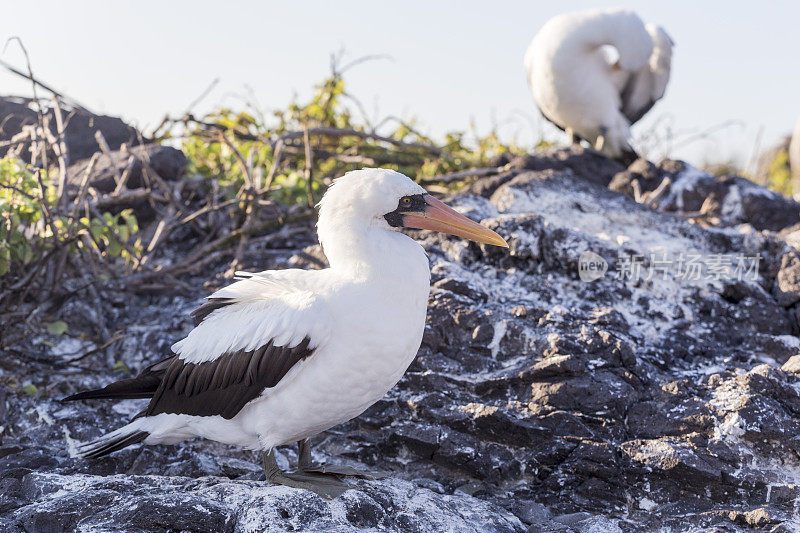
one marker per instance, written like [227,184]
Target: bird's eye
[405,200]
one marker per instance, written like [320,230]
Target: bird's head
[382,198]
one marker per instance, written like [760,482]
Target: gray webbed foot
[326,486]
[306,464]
[340,470]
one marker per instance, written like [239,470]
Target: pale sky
[452,63]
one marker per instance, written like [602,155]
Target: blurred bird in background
[595,73]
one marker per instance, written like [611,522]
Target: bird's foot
[341,470]
[326,486]
[306,464]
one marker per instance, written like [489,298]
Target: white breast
[377,331]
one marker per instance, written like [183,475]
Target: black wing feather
[252,368]
[142,386]
[633,115]
[219,387]
[209,307]
[223,386]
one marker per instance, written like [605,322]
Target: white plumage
[280,356]
[582,89]
[279,305]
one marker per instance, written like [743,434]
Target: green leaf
[120,366]
[130,220]
[123,233]
[27,253]
[114,248]
[30,390]
[59,327]
[96,229]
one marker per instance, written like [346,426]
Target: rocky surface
[16,114]
[138,167]
[655,398]
[169,163]
[716,200]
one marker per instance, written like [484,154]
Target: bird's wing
[637,96]
[645,87]
[249,335]
[642,90]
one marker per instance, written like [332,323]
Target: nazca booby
[282,355]
[582,90]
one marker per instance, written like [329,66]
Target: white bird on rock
[582,90]
[282,355]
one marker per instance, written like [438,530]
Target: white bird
[579,87]
[282,355]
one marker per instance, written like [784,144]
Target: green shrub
[334,153]
[32,226]
[779,175]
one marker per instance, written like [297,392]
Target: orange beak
[438,217]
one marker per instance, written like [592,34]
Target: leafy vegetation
[779,175]
[308,144]
[33,225]
[59,327]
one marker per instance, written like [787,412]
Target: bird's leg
[573,139]
[306,464]
[304,460]
[599,143]
[326,486]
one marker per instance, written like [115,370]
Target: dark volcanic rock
[144,166]
[583,162]
[169,163]
[723,200]
[79,132]
[645,400]
[787,282]
[646,174]
[731,200]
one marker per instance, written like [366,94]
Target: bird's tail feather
[142,386]
[111,442]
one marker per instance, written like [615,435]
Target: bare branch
[33,80]
[308,169]
[63,156]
